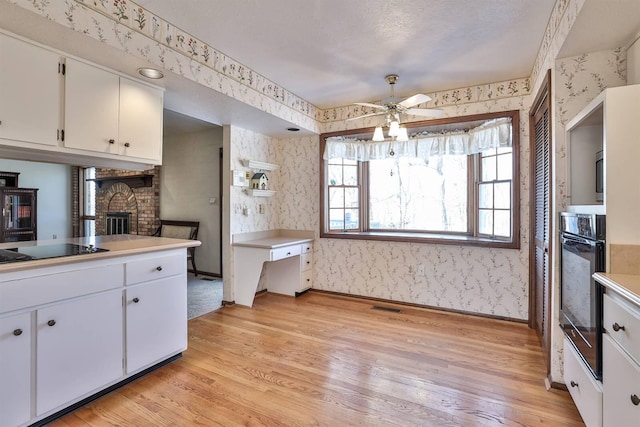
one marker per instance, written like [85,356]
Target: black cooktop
[46,251]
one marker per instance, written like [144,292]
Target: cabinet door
[15,369]
[621,380]
[140,120]
[91,108]
[156,321]
[80,348]
[30,99]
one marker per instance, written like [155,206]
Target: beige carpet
[204,294]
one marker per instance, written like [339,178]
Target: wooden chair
[180,230]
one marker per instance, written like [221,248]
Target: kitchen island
[72,327]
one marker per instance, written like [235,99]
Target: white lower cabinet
[585,390]
[621,380]
[156,322]
[79,348]
[15,369]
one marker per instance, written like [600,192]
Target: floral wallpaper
[577,81]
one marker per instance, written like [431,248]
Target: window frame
[472,196]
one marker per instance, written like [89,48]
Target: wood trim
[434,238]
[414,305]
[542,100]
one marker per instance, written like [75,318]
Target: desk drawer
[306,280]
[623,325]
[306,261]
[285,252]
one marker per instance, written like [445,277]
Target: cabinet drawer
[307,247]
[306,261]
[585,390]
[306,280]
[285,252]
[623,325]
[156,267]
[48,288]
[621,381]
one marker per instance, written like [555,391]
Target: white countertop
[117,245]
[272,239]
[627,285]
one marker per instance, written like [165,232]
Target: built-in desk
[285,255]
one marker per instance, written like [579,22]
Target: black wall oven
[582,239]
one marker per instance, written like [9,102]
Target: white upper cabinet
[91,108]
[29,93]
[140,120]
[109,114]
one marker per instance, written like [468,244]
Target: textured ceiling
[335,52]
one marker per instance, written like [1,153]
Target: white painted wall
[189,177]
[54,194]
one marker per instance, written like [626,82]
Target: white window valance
[491,134]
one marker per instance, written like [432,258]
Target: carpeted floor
[204,294]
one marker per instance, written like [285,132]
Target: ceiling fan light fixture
[402,134]
[394,128]
[377,134]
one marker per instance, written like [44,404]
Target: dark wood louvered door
[540,208]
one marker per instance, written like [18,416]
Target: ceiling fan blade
[428,112]
[366,104]
[366,115]
[416,99]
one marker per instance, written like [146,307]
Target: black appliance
[582,239]
[57,250]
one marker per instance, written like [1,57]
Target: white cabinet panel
[156,267]
[621,380]
[156,321]
[140,120]
[15,369]
[92,106]
[80,348]
[585,391]
[29,92]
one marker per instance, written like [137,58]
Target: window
[449,198]
[88,201]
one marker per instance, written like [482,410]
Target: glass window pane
[336,219]
[502,226]
[351,197]
[505,165]
[351,219]
[485,222]
[485,196]
[335,174]
[336,197]
[351,175]
[502,196]
[411,194]
[350,162]
[504,150]
[488,168]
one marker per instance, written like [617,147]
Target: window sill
[430,238]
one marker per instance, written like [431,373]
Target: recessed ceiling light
[150,73]
[293,129]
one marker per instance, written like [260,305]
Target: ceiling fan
[392,107]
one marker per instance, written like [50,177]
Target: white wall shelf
[260,193]
[253,164]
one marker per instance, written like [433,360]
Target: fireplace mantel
[133,181]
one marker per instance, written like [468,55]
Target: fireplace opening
[117,222]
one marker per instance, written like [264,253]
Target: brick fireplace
[123,195]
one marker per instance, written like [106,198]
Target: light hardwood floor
[334,361]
